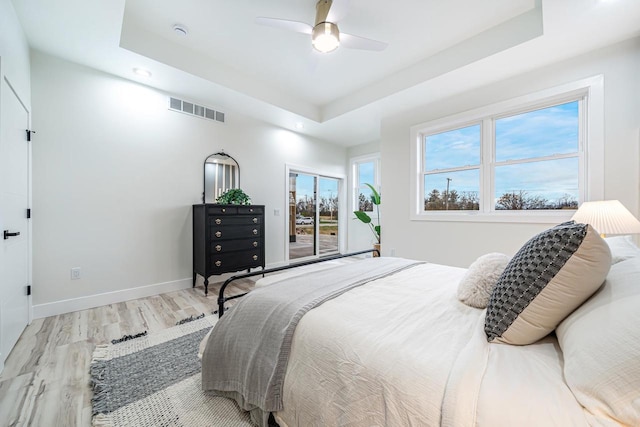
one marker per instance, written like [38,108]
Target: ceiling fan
[325,36]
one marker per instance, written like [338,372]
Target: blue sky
[545,132]
[328,187]
[366,172]
[539,133]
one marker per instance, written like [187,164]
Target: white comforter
[402,351]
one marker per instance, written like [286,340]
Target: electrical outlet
[393,251]
[276,212]
[75,273]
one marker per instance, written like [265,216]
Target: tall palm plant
[364,217]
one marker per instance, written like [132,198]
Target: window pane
[552,130]
[366,172]
[302,241]
[551,184]
[455,148]
[462,192]
[364,199]
[328,188]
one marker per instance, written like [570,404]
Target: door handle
[7,234]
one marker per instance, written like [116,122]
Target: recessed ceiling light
[299,125]
[180,30]
[142,72]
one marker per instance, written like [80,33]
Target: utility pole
[446,196]
[331,206]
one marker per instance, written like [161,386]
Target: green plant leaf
[375,197]
[362,216]
[377,228]
[234,196]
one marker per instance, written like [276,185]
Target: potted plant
[365,218]
[235,196]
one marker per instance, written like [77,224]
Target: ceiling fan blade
[338,10]
[356,42]
[285,24]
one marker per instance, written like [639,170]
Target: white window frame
[591,152]
[355,182]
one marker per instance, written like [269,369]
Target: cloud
[530,135]
[455,148]
[538,133]
[549,179]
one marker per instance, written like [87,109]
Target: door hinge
[29,132]
[28,289]
[28,213]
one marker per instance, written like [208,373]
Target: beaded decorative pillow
[548,278]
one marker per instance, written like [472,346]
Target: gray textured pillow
[549,277]
[476,286]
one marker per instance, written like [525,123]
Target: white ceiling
[227,62]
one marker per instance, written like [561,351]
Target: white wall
[115,174]
[458,243]
[363,149]
[14,52]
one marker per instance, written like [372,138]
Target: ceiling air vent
[176,104]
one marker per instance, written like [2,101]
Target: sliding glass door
[302,215]
[328,214]
[313,215]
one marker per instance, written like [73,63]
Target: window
[452,157]
[537,156]
[365,170]
[512,161]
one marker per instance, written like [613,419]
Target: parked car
[303,220]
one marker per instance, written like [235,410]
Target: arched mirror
[221,173]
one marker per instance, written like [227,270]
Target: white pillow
[622,247]
[601,346]
[477,284]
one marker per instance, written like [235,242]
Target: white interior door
[14,201]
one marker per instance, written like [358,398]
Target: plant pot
[376,246]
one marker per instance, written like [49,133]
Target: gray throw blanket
[248,350]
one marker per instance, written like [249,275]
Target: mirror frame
[204,167]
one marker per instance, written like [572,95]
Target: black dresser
[226,238]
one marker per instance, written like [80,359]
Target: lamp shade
[607,217]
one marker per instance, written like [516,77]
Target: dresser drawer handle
[250,209]
[255,231]
[255,257]
[224,210]
[218,221]
[218,263]
[255,244]
[218,233]
[218,248]
[255,220]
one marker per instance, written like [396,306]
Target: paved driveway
[303,246]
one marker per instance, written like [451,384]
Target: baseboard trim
[92,301]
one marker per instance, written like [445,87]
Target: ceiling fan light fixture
[325,37]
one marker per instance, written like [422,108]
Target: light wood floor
[45,381]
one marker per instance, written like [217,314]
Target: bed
[401,349]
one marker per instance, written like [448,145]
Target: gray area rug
[154,380]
